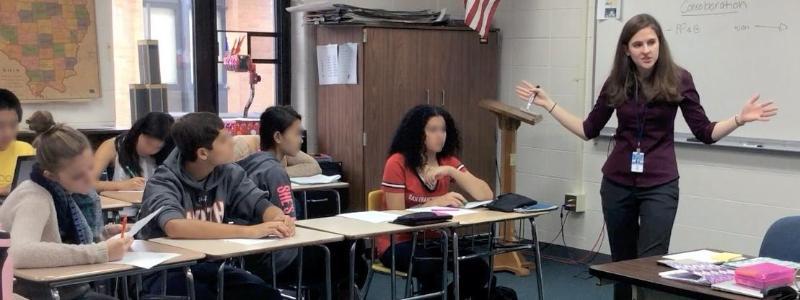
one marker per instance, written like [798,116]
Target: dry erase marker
[530,99]
[124,225]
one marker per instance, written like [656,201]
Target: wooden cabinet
[398,68]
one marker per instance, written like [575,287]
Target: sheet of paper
[327,64]
[143,221]
[732,287]
[443,210]
[348,63]
[699,256]
[145,260]
[249,242]
[337,64]
[371,216]
[726,256]
[474,204]
[316,179]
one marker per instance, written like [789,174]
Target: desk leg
[274,274]
[328,291]
[338,202]
[491,259]
[393,280]
[538,259]
[164,275]
[189,283]
[54,293]
[221,281]
[125,287]
[305,205]
[351,280]
[456,270]
[299,272]
[410,270]
[445,244]
[138,287]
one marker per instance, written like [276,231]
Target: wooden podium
[509,119]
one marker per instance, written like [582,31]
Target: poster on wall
[48,49]
[609,9]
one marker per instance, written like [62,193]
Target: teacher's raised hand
[753,110]
[526,90]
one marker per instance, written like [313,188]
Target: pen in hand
[124,225]
[530,99]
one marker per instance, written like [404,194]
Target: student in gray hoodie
[281,136]
[203,196]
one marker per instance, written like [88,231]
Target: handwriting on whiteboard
[712,7]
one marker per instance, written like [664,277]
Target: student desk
[333,187]
[55,278]
[354,230]
[643,272]
[132,197]
[486,216]
[222,249]
[112,207]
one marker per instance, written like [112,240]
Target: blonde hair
[55,143]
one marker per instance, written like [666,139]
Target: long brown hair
[661,85]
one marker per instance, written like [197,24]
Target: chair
[782,240]
[375,202]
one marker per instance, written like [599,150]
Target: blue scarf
[79,217]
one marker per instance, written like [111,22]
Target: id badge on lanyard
[637,157]
[637,161]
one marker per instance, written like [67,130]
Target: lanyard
[641,118]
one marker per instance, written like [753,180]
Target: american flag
[479,14]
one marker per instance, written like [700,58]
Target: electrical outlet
[575,202]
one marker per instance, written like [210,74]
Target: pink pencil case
[764,275]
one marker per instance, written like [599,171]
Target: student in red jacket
[421,166]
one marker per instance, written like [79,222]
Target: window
[258,25]
[192,36]
[170,23]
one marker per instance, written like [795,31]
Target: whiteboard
[733,48]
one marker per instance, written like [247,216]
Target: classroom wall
[728,197]
[95,112]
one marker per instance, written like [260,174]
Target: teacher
[640,177]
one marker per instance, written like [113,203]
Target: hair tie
[51,129]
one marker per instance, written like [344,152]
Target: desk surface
[113,204]
[483,216]
[133,197]
[316,187]
[222,249]
[644,272]
[357,229]
[74,272]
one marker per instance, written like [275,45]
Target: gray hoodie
[269,175]
[226,195]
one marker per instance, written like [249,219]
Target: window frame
[206,47]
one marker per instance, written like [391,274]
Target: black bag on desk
[508,202]
[421,218]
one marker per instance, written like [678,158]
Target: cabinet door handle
[428,96]
[444,94]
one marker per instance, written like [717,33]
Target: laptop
[23,170]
